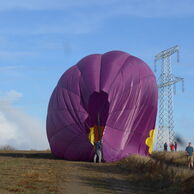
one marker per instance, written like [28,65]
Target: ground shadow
[115,185]
[107,168]
[111,185]
[30,155]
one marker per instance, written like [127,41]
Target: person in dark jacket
[165,147]
[189,151]
[98,151]
[175,146]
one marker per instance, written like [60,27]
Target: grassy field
[39,172]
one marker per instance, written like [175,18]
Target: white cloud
[4,68]
[85,16]
[156,8]
[19,129]
[142,8]
[50,4]
[10,96]
[16,53]
[7,130]
[78,23]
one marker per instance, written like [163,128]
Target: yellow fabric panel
[150,141]
[93,134]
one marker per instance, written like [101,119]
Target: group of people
[173,147]
[189,151]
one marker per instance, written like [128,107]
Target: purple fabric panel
[124,85]
[66,116]
[65,139]
[85,94]
[70,80]
[111,64]
[133,124]
[80,149]
[57,120]
[60,141]
[90,71]
[89,68]
[110,150]
[65,111]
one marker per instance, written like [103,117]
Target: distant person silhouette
[175,146]
[189,151]
[172,147]
[165,147]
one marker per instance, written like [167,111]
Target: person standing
[165,147]
[189,151]
[175,146]
[98,151]
[172,147]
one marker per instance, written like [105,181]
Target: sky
[41,39]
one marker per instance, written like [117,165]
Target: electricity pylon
[167,88]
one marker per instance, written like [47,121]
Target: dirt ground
[40,172]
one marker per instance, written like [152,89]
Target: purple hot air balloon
[115,90]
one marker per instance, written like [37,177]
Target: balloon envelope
[111,96]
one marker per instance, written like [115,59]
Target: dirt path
[75,183]
[89,178]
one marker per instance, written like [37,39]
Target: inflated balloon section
[110,97]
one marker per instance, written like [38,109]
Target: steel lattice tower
[167,88]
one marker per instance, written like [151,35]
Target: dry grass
[28,172]
[40,172]
[166,172]
[171,158]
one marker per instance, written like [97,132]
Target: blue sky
[40,39]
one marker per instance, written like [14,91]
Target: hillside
[40,172]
